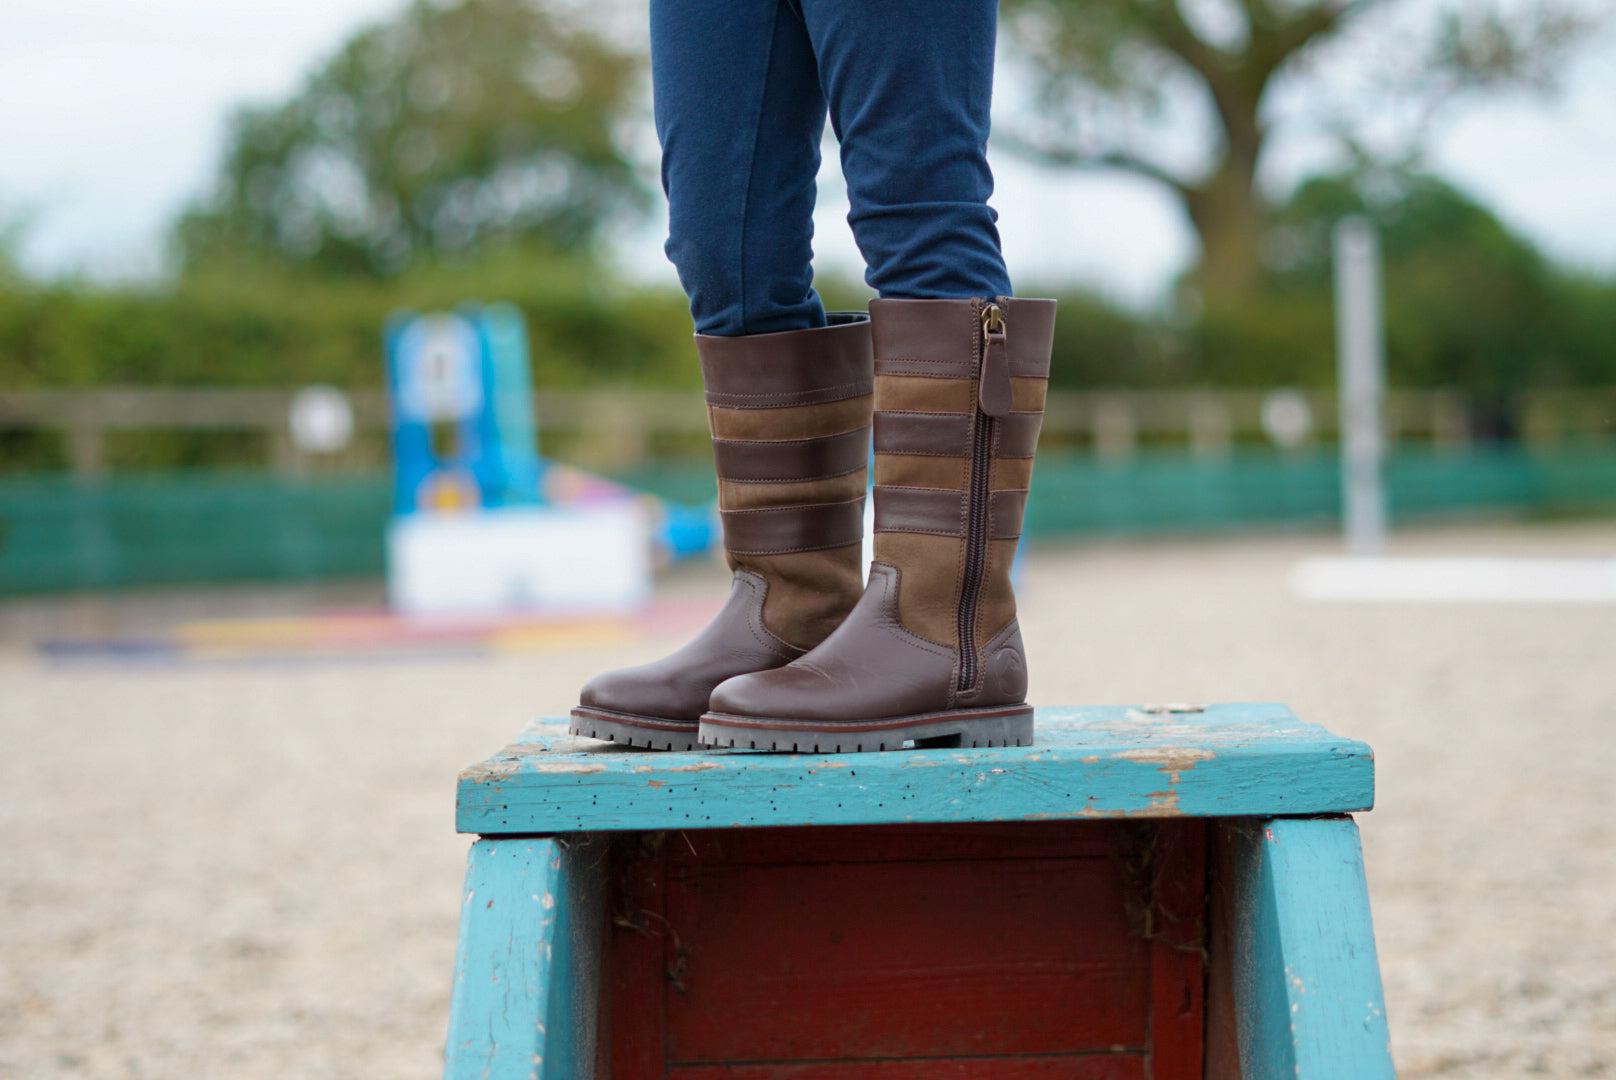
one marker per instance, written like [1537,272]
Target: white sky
[112,117]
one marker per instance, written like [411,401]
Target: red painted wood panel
[1011,951]
[905,959]
[632,1041]
[891,843]
[1086,1067]
[1178,950]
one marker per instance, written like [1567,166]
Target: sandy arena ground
[243,871]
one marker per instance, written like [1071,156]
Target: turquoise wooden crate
[1291,981]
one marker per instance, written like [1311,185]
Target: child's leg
[909,84]
[740,114]
[932,653]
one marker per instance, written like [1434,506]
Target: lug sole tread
[956,729]
[644,732]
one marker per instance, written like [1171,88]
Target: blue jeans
[741,90]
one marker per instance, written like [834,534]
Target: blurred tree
[1193,93]
[12,227]
[451,127]
[1470,305]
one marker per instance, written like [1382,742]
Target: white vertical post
[1361,366]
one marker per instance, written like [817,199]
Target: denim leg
[910,83]
[740,115]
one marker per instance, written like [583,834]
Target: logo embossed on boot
[1009,674]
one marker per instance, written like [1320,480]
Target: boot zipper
[993,400]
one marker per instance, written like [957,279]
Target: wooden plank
[1306,982]
[638,938]
[891,960]
[1063,1067]
[1176,930]
[1221,1046]
[1075,952]
[527,971]
[801,844]
[1113,762]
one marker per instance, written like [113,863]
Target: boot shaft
[959,400]
[790,417]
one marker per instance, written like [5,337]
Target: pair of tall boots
[805,655]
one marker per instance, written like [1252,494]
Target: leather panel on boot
[1004,672]
[812,592]
[915,393]
[1006,511]
[1028,395]
[793,367]
[777,530]
[933,573]
[1030,336]
[754,496]
[775,461]
[1010,474]
[678,686]
[903,470]
[1017,435]
[926,433]
[928,337]
[997,608]
[869,668]
[804,422]
[933,511]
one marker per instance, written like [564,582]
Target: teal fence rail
[58,533]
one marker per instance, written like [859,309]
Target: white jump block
[520,559]
[1457,579]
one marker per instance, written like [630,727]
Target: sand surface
[248,870]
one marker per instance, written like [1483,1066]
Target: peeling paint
[570,767]
[694,766]
[1156,808]
[491,771]
[1172,760]
[1164,802]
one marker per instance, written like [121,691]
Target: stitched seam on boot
[754,618]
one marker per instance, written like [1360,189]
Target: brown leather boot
[932,654]
[790,417]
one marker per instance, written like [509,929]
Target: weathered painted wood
[1112,762]
[527,972]
[1305,978]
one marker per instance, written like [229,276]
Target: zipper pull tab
[993,393]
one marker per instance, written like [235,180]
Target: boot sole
[631,729]
[1004,725]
